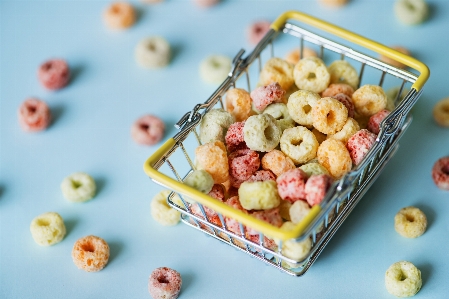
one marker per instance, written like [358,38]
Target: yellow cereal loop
[311,74]
[350,128]
[320,137]
[293,249]
[403,279]
[200,180]
[259,195]
[261,132]
[48,229]
[441,112]
[162,212]
[334,156]
[410,222]
[298,211]
[214,125]
[280,113]
[314,168]
[300,106]
[369,99]
[299,144]
[342,71]
[238,104]
[78,187]
[213,158]
[329,115]
[277,70]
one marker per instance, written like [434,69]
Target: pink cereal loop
[232,224]
[164,283]
[359,144]
[262,175]
[345,100]
[148,130]
[316,188]
[336,88]
[440,173]
[54,74]
[234,137]
[243,163]
[375,120]
[34,115]
[291,185]
[257,30]
[265,95]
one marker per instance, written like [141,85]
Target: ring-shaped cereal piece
[347,101]
[411,12]
[300,106]
[34,115]
[54,74]
[261,132]
[375,121]
[277,70]
[257,30]
[299,210]
[350,128]
[395,62]
[440,173]
[336,88]
[48,229]
[262,175]
[271,216]
[243,164]
[299,144]
[164,283]
[200,180]
[329,115]
[148,130]
[316,188]
[280,113]
[293,249]
[213,158]
[119,15]
[90,253]
[238,103]
[153,52]
[234,138]
[214,125]
[291,185]
[334,156]
[314,168]
[359,145]
[403,279]
[162,212]
[215,68]
[277,162]
[263,96]
[410,222]
[369,99]
[342,71]
[259,195]
[441,112]
[311,74]
[78,187]
[294,56]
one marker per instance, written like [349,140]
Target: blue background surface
[91,133]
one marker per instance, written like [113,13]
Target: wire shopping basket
[172,159]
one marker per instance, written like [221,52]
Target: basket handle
[424,71]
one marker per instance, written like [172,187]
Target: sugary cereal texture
[329,115]
[257,30]
[316,188]
[334,156]
[261,132]
[298,211]
[395,62]
[54,74]
[342,71]
[213,158]
[200,180]
[215,68]
[262,175]
[314,168]
[441,112]
[263,96]
[259,195]
[299,144]
[277,70]
[403,279]
[369,99]
[336,88]
[242,165]
[410,222]
[311,74]
[411,12]
[162,212]
[359,144]
[277,162]
[34,115]
[48,229]
[347,101]
[440,173]
[300,106]
[270,216]
[90,253]
[350,128]
[214,125]
[294,56]
[153,52]
[280,113]
[119,15]
[148,130]
[235,138]
[291,185]
[375,120]
[78,187]
[293,249]
[238,104]
[164,283]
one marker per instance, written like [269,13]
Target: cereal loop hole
[144,126]
[311,76]
[409,218]
[115,9]
[268,132]
[296,142]
[330,117]
[151,47]
[43,222]
[307,108]
[163,279]
[31,109]
[88,247]
[76,184]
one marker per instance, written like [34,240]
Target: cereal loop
[243,164]
[213,158]
[311,74]
[153,52]
[214,125]
[259,195]
[261,132]
[316,188]
[294,56]
[235,138]
[300,106]
[314,168]
[375,120]
[369,99]
[293,249]
[277,70]
[411,12]
[257,30]
[299,210]
[410,222]
[403,279]
[34,115]
[119,15]
[164,283]
[334,156]
[329,115]
[350,128]
[441,112]
[54,74]
[162,212]
[270,216]
[277,162]
[342,71]
[48,229]
[334,3]
[299,144]
[263,96]
[215,68]
[232,224]
[90,253]
[200,180]
[440,173]
[291,185]
[78,187]
[359,145]
[238,103]
[262,175]
[148,130]
[280,113]
[347,101]
[336,88]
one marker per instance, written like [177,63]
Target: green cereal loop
[293,249]
[261,132]
[411,12]
[259,195]
[162,212]
[200,180]
[48,229]
[78,187]
[314,168]
[403,279]
[214,125]
[280,112]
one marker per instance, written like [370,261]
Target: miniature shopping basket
[172,162]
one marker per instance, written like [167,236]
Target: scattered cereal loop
[90,253]
[342,71]
[119,15]
[410,222]
[164,283]
[395,62]
[34,115]
[153,52]
[148,130]
[257,30]
[54,74]
[78,187]
[411,12]
[162,212]
[215,68]
[403,279]
[440,173]
[441,113]
[48,229]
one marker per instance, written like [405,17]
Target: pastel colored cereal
[243,164]
[270,216]
[298,211]
[342,71]
[90,253]
[235,138]
[395,62]
[257,30]
[316,188]
[336,88]
[259,195]
[34,115]
[410,222]
[295,55]
[334,156]
[148,130]
[214,125]
[78,187]
[280,113]
[411,12]
[311,74]
[277,162]
[238,104]
[440,173]
[314,168]
[284,209]
[54,74]
[232,224]
[350,128]
[262,175]
[261,132]
[119,15]
[359,145]
[369,99]
[334,3]
[300,106]
[263,96]
[291,185]
[164,283]
[293,249]
[299,144]
[329,115]
[347,101]
[153,52]
[162,212]
[215,68]
[277,70]
[403,279]
[200,180]
[213,158]
[206,3]
[375,121]
[441,112]
[48,229]
[320,137]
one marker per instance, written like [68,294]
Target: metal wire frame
[343,195]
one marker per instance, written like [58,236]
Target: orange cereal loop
[334,156]
[295,55]
[277,70]
[277,162]
[119,15]
[350,128]
[212,157]
[238,103]
[369,99]
[90,253]
[329,115]
[392,61]
[336,88]
[441,112]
